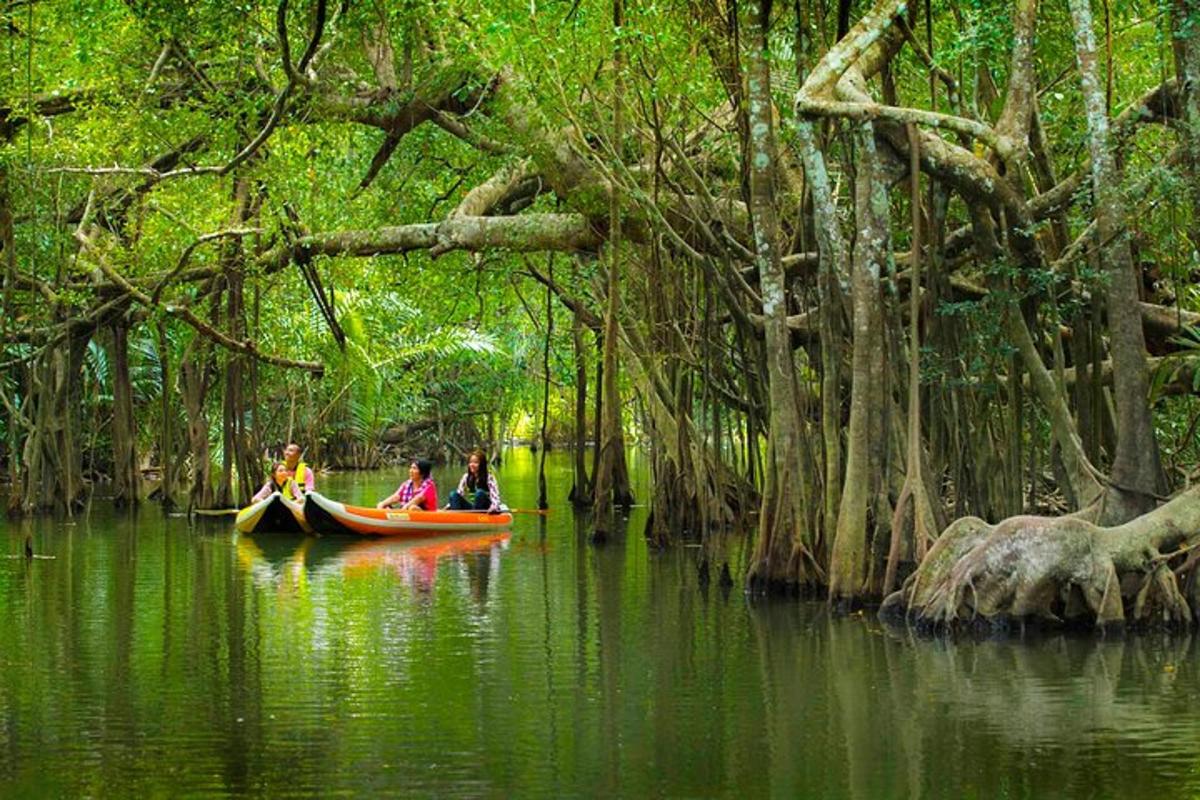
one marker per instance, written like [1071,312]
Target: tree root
[1054,570]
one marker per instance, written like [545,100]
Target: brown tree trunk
[126,477]
[1136,470]
[543,500]
[1185,25]
[195,376]
[166,439]
[240,460]
[581,489]
[52,476]
[834,265]
[611,478]
[783,552]
[848,559]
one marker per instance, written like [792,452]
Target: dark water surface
[149,658]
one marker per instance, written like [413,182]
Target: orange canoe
[331,517]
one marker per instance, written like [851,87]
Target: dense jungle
[906,293]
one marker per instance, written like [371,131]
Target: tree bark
[126,478]
[52,462]
[848,559]
[581,490]
[195,376]
[783,552]
[611,479]
[1185,24]
[1136,471]
[1053,570]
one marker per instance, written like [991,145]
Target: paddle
[529,510]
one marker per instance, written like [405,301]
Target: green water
[143,657]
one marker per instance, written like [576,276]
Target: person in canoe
[417,493]
[300,472]
[477,490]
[280,481]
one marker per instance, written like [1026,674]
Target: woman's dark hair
[424,467]
[480,479]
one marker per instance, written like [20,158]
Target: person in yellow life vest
[300,472]
[280,481]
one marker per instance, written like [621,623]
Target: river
[143,656]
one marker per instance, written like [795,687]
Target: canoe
[331,517]
[272,514]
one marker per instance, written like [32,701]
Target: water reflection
[286,562]
[416,564]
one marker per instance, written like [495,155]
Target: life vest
[290,491]
[300,475]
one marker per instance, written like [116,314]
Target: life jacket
[300,475]
[290,491]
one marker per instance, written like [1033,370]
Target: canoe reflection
[287,562]
[416,563]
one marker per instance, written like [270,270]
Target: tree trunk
[1185,24]
[52,461]
[195,375]
[783,552]
[166,439]
[848,560]
[543,502]
[240,459]
[126,478]
[611,479]
[1136,470]
[581,489]
[834,264]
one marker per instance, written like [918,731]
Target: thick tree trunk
[848,559]
[1185,25]
[581,488]
[166,438]
[126,479]
[1136,470]
[195,375]
[783,552]
[834,266]
[52,462]
[543,501]
[240,463]
[611,479]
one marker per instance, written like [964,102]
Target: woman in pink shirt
[418,492]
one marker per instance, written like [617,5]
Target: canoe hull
[273,514]
[331,517]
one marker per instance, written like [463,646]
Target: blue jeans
[479,501]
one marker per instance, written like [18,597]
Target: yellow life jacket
[290,491]
[301,475]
